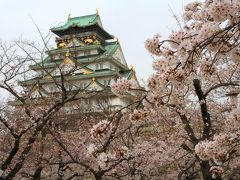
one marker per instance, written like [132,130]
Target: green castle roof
[73,77]
[81,21]
[83,26]
[100,73]
[110,49]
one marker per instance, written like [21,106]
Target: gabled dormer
[84,29]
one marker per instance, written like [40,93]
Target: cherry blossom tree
[184,126]
[191,99]
[23,129]
[41,142]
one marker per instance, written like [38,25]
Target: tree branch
[204,110]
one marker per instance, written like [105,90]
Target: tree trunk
[98,177]
[205,169]
[37,174]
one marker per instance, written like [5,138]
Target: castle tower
[90,59]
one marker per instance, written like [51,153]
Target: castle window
[51,88]
[94,51]
[80,53]
[106,82]
[83,85]
[97,66]
[57,56]
[87,53]
[62,56]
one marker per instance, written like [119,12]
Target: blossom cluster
[139,115]
[91,150]
[235,55]
[191,10]
[202,22]
[217,149]
[221,146]
[100,129]
[216,171]
[122,86]
[103,158]
[153,44]
[233,120]
[223,10]
[216,10]
[121,152]
[208,68]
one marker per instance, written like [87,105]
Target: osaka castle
[89,59]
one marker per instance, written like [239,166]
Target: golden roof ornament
[36,87]
[132,67]
[133,72]
[94,82]
[67,53]
[97,12]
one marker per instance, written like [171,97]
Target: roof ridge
[85,20]
[82,16]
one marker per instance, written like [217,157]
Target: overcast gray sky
[132,21]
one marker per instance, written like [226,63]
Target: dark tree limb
[188,129]
[204,110]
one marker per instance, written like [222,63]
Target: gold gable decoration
[94,84]
[62,45]
[48,77]
[67,60]
[91,39]
[133,77]
[85,71]
[88,40]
